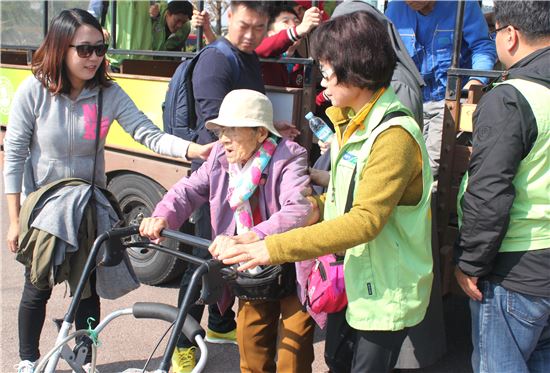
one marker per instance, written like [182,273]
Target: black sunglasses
[86,50]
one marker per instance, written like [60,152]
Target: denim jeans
[510,331]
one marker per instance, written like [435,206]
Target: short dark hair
[359,49]
[531,18]
[276,10]
[48,63]
[260,7]
[180,7]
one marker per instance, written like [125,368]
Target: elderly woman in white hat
[254,181]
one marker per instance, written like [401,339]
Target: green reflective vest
[134,29]
[529,227]
[389,279]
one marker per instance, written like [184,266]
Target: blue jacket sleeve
[476,36]
[95,8]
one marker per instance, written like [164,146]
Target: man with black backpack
[227,64]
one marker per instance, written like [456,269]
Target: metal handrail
[292,60]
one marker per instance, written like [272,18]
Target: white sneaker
[25,366]
[87,368]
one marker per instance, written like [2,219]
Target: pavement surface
[127,342]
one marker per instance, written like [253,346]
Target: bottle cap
[309,115]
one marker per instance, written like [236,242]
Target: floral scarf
[243,181]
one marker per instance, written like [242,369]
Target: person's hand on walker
[248,255]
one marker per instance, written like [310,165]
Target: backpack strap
[230,55]
[235,69]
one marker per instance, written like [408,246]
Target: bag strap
[385,118]
[97,132]
[390,116]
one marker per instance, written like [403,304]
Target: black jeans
[216,322]
[32,313]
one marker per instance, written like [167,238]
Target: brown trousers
[261,337]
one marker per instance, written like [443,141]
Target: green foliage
[22,21]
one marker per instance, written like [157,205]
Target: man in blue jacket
[427,28]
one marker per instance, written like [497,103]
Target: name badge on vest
[349,158]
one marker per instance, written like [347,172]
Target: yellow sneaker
[183,360]
[221,338]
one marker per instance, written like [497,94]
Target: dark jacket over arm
[505,130]
[504,133]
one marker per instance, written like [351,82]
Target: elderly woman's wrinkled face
[240,143]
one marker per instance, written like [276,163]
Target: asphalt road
[127,343]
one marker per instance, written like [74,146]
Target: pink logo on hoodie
[90,121]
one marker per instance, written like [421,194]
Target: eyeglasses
[327,75]
[86,50]
[231,132]
[219,131]
[493,35]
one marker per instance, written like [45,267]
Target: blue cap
[309,115]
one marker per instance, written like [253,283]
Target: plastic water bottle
[319,128]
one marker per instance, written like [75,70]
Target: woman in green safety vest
[378,155]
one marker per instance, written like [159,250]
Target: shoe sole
[220,341]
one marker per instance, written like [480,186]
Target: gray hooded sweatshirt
[53,137]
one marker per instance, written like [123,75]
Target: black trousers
[32,314]
[216,322]
[377,351]
[358,351]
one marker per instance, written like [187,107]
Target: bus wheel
[138,196]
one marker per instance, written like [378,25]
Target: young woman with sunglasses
[51,135]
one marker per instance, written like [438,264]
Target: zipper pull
[322,271]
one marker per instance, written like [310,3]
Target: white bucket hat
[245,108]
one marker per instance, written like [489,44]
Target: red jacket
[277,73]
